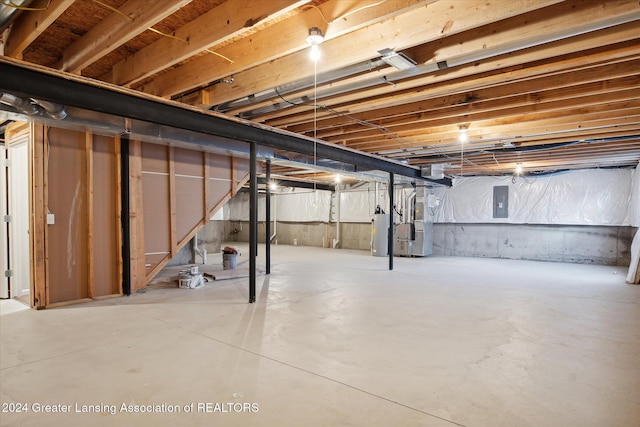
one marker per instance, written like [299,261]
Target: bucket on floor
[229,261]
[184,280]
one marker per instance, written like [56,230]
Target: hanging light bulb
[519,169]
[273,186]
[314,38]
[462,137]
[314,53]
[338,179]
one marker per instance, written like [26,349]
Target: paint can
[229,261]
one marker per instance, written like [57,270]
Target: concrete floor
[335,339]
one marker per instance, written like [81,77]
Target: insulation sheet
[585,197]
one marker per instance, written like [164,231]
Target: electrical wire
[359,9]
[113,9]
[343,16]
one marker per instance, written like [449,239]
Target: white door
[20,281]
[4,262]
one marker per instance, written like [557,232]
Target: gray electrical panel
[501,201]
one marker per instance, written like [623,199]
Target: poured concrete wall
[318,234]
[210,237]
[604,245]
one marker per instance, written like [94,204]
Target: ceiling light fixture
[462,137]
[519,169]
[338,179]
[399,60]
[314,38]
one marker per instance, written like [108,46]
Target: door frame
[4,246]
[19,137]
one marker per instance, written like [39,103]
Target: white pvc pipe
[337,239]
[202,253]
[275,220]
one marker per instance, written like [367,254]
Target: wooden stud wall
[76,176]
[174,192]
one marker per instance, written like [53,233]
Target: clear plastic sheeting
[292,206]
[360,205]
[585,197]
[307,206]
[634,206]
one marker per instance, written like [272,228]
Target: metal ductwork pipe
[55,111]
[23,105]
[7,12]
[426,68]
[301,84]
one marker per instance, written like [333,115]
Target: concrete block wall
[604,245]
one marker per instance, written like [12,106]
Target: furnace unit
[414,236]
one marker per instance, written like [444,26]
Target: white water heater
[380,235]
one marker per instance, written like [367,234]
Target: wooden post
[136,215]
[88,151]
[38,207]
[173,229]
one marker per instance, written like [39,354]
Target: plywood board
[155,158]
[67,194]
[218,190]
[241,167]
[155,199]
[219,166]
[189,204]
[188,162]
[105,224]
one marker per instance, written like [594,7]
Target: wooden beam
[510,130]
[416,26]
[132,18]
[583,50]
[534,87]
[207,31]
[275,41]
[30,24]
[516,106]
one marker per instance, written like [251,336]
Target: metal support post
[253,222]
[267,226]
[391,208]
[125,215]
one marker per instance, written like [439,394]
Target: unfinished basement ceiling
[547,84]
